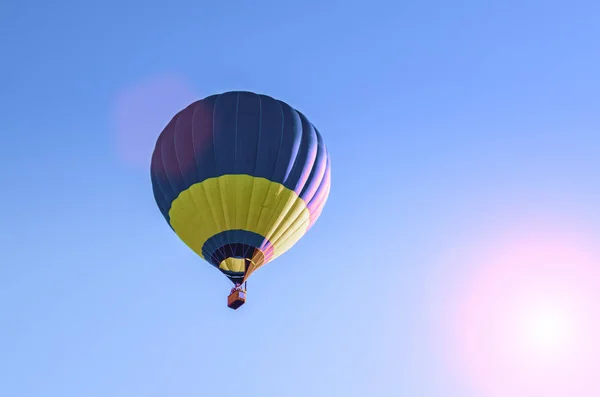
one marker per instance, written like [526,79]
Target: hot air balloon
[240,178]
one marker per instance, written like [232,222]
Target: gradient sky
[451,125]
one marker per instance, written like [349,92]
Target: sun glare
[548,330]
[525,317]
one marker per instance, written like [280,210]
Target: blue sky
[445,121]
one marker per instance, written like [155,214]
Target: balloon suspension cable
[240,287]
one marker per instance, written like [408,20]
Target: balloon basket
[236,299]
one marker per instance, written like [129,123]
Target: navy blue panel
[169,160]
[225,132]
[229,237]
[290,143]
[305,158]
[249,128]
[161,180]
[271,138]
[233,250]
[321,192]
[202,138]
[160,197]
[317,171]
[160,184]
[237,133]
[184,146]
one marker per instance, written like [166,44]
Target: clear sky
[465,146]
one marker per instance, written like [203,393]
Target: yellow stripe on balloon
[243,202]
[237,265]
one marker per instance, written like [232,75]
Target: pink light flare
[523,318]
[141,112]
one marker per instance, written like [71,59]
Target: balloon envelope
[240,177]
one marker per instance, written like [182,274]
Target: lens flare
[548,328]
[523,316]
[141,111]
